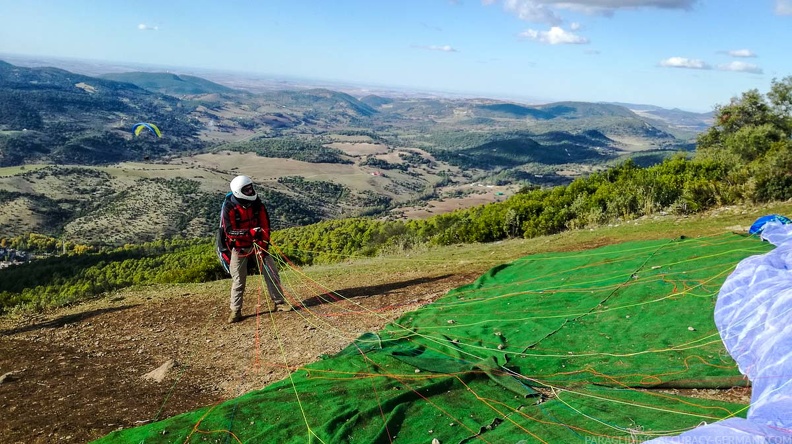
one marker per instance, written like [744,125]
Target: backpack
[222,249]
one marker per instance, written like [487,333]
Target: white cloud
[443,48]
[783,7]
[544,11]
[532,11]
[741,53]
[555,36]
[145,27]
[741,67]
[608,7]
[682,62]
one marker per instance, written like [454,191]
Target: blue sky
[688,54]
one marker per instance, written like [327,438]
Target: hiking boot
[235,316]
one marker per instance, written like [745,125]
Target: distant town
[11,256]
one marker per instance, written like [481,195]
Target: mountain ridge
[387,151]
[169,83]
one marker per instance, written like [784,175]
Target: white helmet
[242,187]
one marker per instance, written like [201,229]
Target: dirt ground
[75,375]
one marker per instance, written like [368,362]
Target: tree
[751,138]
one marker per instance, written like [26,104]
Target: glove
[257,233]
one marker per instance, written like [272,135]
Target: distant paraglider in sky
[138,127]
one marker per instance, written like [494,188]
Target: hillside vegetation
[386,156]
[167,83]
[58,116]
[744,159]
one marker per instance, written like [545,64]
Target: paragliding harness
[222,248]
[758,227]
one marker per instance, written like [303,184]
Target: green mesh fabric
[556,348]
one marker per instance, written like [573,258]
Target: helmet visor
[248,190]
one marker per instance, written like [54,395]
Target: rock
[159,374]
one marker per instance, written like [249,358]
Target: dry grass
[14,170]
[359,148]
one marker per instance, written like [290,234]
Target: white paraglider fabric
[754,317]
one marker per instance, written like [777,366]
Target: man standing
[245,222]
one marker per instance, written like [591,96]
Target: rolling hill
[385,153]
[171,84]
[48,114]
[678,122]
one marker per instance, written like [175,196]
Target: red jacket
[238,220]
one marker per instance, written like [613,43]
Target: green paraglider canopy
[138,127]
[555,347]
